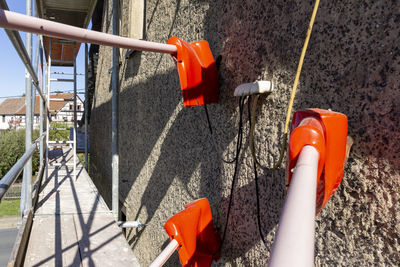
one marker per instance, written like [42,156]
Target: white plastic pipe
[294,240]
[165,254]
[15,21]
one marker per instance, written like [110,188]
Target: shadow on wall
[161,141]
[175,143]
[352,66]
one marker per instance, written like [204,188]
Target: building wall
[17,121]
[166,156]
[66,113]
[4,121]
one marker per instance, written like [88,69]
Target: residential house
[12,110]
[8,113]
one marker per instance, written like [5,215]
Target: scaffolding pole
[86,109]
[36,71]
[295,237]
[114,120]
[16,21]
[74,111]
[41,102]
[48,114]
[26,195]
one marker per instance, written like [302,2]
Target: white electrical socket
[258,87]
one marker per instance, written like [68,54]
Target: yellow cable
[290,105]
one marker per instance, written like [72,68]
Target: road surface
[7,239]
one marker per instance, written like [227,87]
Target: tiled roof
[12,106]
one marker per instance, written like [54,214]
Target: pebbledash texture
[167,158]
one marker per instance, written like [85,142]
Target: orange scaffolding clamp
[197,72]
[327,132]
[192,232]
[316,158]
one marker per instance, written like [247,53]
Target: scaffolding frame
[44,81]
[25,162]
[13,22]
[74,80]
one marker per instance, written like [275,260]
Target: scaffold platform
[72,225]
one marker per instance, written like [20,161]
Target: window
[78,107]
[4,118]
[71,107]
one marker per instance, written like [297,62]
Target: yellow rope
[290,105]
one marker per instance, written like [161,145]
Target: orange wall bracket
[197,72]
[193,228]
[327,132]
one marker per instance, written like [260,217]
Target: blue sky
[12,70]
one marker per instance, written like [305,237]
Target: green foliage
[9,207]
[12,147]
[81,157]
[59,135]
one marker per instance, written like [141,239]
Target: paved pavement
[7,239]
[9,222]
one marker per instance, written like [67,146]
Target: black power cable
[235,160]
[241,104]
[256,181]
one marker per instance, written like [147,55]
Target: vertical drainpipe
[114,122]
[26,195]
[86,108]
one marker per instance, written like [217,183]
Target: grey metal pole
[114,120]
[12,175]
[27,180]
[86,108]
[75,111]
[36,71]
[41,102]
[48,113]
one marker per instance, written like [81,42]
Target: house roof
[16,106]
[11,105]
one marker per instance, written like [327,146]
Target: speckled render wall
[166,157]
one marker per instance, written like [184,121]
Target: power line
[79,92]
[12,96]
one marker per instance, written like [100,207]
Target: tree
[58,135]
[12,147]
